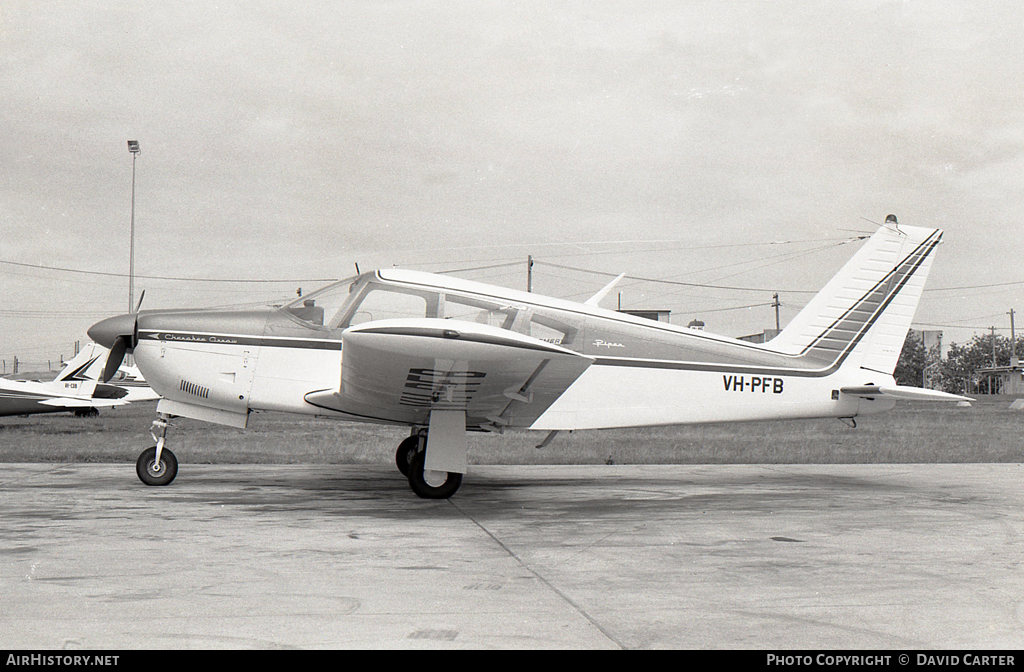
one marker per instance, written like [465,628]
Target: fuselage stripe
[184,337]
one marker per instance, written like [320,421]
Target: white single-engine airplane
[445,356]
[77,388]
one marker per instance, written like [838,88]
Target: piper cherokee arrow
[445,356]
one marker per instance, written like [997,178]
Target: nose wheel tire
[430,485]
[152,473]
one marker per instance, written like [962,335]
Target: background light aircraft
[445,356]
[76,388]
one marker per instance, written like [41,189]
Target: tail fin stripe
[78,373]
[847,330]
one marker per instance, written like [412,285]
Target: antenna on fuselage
[596,298]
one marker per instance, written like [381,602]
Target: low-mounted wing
[400,370]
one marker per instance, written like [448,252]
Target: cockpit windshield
[321,306]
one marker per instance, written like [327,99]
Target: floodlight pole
[133,147]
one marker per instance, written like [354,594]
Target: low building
[1004,379]
[656,315]
[763,337]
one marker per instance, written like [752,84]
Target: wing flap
[400,370]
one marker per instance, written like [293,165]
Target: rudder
[861,317]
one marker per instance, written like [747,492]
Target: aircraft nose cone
[105,332]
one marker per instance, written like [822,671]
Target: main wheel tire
[416,481]
[152,473]
[406,451]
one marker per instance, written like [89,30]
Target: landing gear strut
[428,484]
[157,465]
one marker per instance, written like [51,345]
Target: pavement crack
[525,565]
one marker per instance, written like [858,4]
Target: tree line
[956,372]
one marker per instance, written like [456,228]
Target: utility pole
[993,347]
[529,273]
[1013,342]
[776,304]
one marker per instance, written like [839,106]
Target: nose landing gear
[157,465]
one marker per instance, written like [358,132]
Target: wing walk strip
[522,563]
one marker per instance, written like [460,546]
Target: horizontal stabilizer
[901,392]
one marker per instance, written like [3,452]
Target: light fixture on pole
[133,147]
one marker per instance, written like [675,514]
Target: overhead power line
[162,277]
[988,286]
[482,268]
[669,282]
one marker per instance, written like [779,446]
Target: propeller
[114,359]
[118,334]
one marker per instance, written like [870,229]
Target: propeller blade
[138,306]
[115,357]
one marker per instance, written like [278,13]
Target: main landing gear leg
[446,445]
[157,465]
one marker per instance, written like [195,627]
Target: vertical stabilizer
[862,316]
[81,373]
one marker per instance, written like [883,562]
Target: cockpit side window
[481,311]
[534,321]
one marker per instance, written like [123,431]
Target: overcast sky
[740,144]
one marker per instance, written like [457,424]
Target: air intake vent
[193,389]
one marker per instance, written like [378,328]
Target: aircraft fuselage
[642,372]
